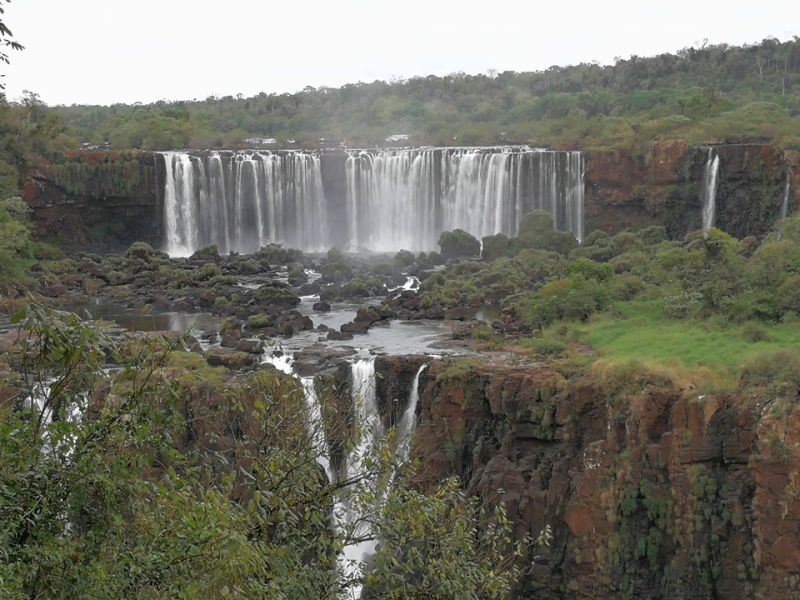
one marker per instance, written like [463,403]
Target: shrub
[141,250]
[206,272]
[536,232]
[495,246]
[459,244]
[259,321]
[773,373]
[572,298]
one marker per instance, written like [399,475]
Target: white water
[243,202]
[370,426]
[408,424]
[39,402]
[709,193]
[406,198]
[316,427]
[394,198]
[786,193]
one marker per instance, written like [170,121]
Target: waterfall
[709,192]
[316,426]
[786,193]
[394,199]
[406,198]
[283,363]
[365,402]
[408,424]
[243,201]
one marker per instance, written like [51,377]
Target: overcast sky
[105,51]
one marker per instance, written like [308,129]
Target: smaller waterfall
[408,424]
[368,418]
[786,193]
[283,363]
[709,194]
[316,427]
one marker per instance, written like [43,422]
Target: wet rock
[355,327]
[250,346]
[461,313]
[435,312]
[313,359]
[230,332]
[321,306]
[234,360]
[339,336]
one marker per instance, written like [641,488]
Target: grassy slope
[639,330]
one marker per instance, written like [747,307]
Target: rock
[321,306]
[367,315]
[250,346]
[55,290]
[234,360]
[355,327]
[461,313]
[435,312]
[230,332]
[208,254]
[339,336]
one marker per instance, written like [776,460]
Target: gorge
[493,371]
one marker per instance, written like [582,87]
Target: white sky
[105,51]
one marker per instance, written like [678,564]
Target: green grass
[639,330]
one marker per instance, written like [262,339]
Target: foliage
[458,244]
[698,94]
[424,538]
[6,40]
[175,479]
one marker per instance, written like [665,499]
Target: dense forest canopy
[699,94]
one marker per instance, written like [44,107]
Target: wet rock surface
[667,495]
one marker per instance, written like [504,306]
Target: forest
[700,94]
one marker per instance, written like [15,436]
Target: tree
[6,40]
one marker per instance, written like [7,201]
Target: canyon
[651,489]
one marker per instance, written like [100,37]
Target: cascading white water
[786,193]
[709,193]
[394,198]
[408,424]
[244,201]
[316,427]
[406,198]
[369,422]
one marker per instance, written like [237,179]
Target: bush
[773,374]
[536,232]
[259,321]
[572,298]
[141,250]
[459,244]
[495,246]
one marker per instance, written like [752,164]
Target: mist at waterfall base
[393,199]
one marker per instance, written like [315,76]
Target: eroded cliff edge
[103,201]
[652,490]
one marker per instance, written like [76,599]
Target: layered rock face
[663,186]
[655,495]
[103,201]
[106,200]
